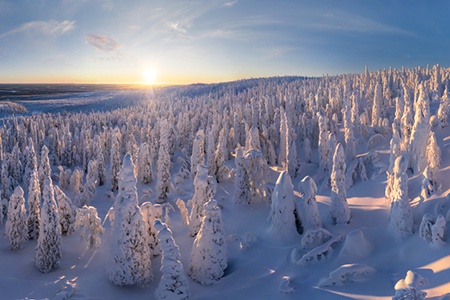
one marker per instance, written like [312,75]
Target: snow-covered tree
[420,132]
[438,230]
[100,161]
[443,110]
[115,159]
[34,206]
[401,220]
[377,105]
[256,168]
[173,284]
[90,226]
[340,212]
[410,287]
[349,136]
[241,180]
[75,186]
[145,166]
[433,153]
[282,213]
[221,172]
[91,183]
[66,211]
[204,190]
[209,251]
[30,162]
[129,261]
[49,249]
[16,226]
[150,214]
[44,170]
[306,205]
[163,164]
[210,150]
[198,152]
[395,152]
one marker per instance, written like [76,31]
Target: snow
[258,266]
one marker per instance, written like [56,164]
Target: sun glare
[149,76]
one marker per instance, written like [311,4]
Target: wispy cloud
[229,4]
[49,28]
[102,42]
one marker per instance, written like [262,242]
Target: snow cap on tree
[283,206]
[16,226]
[306,205]
[340,212]
[209,250]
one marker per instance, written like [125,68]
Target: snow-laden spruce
[410,287]
[91,183]
[16,227]
[49,249]
[90,226]
[306,205]
[282,213]
[173,284]
[163,164]
[145,165]
[401,220]
[44,170]
[115,159]
[34,206]
[209,251]
[150,213]
[340,212]
[66,211]
[198,152]
[129,261]
[204,190]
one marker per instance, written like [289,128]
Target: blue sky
[174,41]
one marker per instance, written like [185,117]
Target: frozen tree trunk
[209,251]
[16,226]
[173,284]
[129,262]
[340,212]
[49,249]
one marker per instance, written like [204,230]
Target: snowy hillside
[272,188]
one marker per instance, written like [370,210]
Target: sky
[192,41]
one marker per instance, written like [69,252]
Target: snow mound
[314,238]
[409,288]
[320,253]
[285,285]
[347,273]
[355,246]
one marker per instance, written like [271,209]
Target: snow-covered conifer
[306,206]
[75,186]
[438,230]
[420,132]
[16,226]
[145,165]
[90,226]
[350,144]
[433,153]
[173,284]
[395,152]
[44,170]
[209,250]
[401,220]
[91,183]
[210,151]
[115,159]
[283,146]
[163,164]
[49,249]
[221,171]
[130,255]
[377,105]
[254,141]
[198,152]
[150,214]
[100,161]
[66,211]
[204,190]
[282,213]
[30,162]
[340,212]
[323,142]
[241,180]
[34,206]
[409,288]
[443,110]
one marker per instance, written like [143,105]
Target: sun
[149,76]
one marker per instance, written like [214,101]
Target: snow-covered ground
[363,259]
